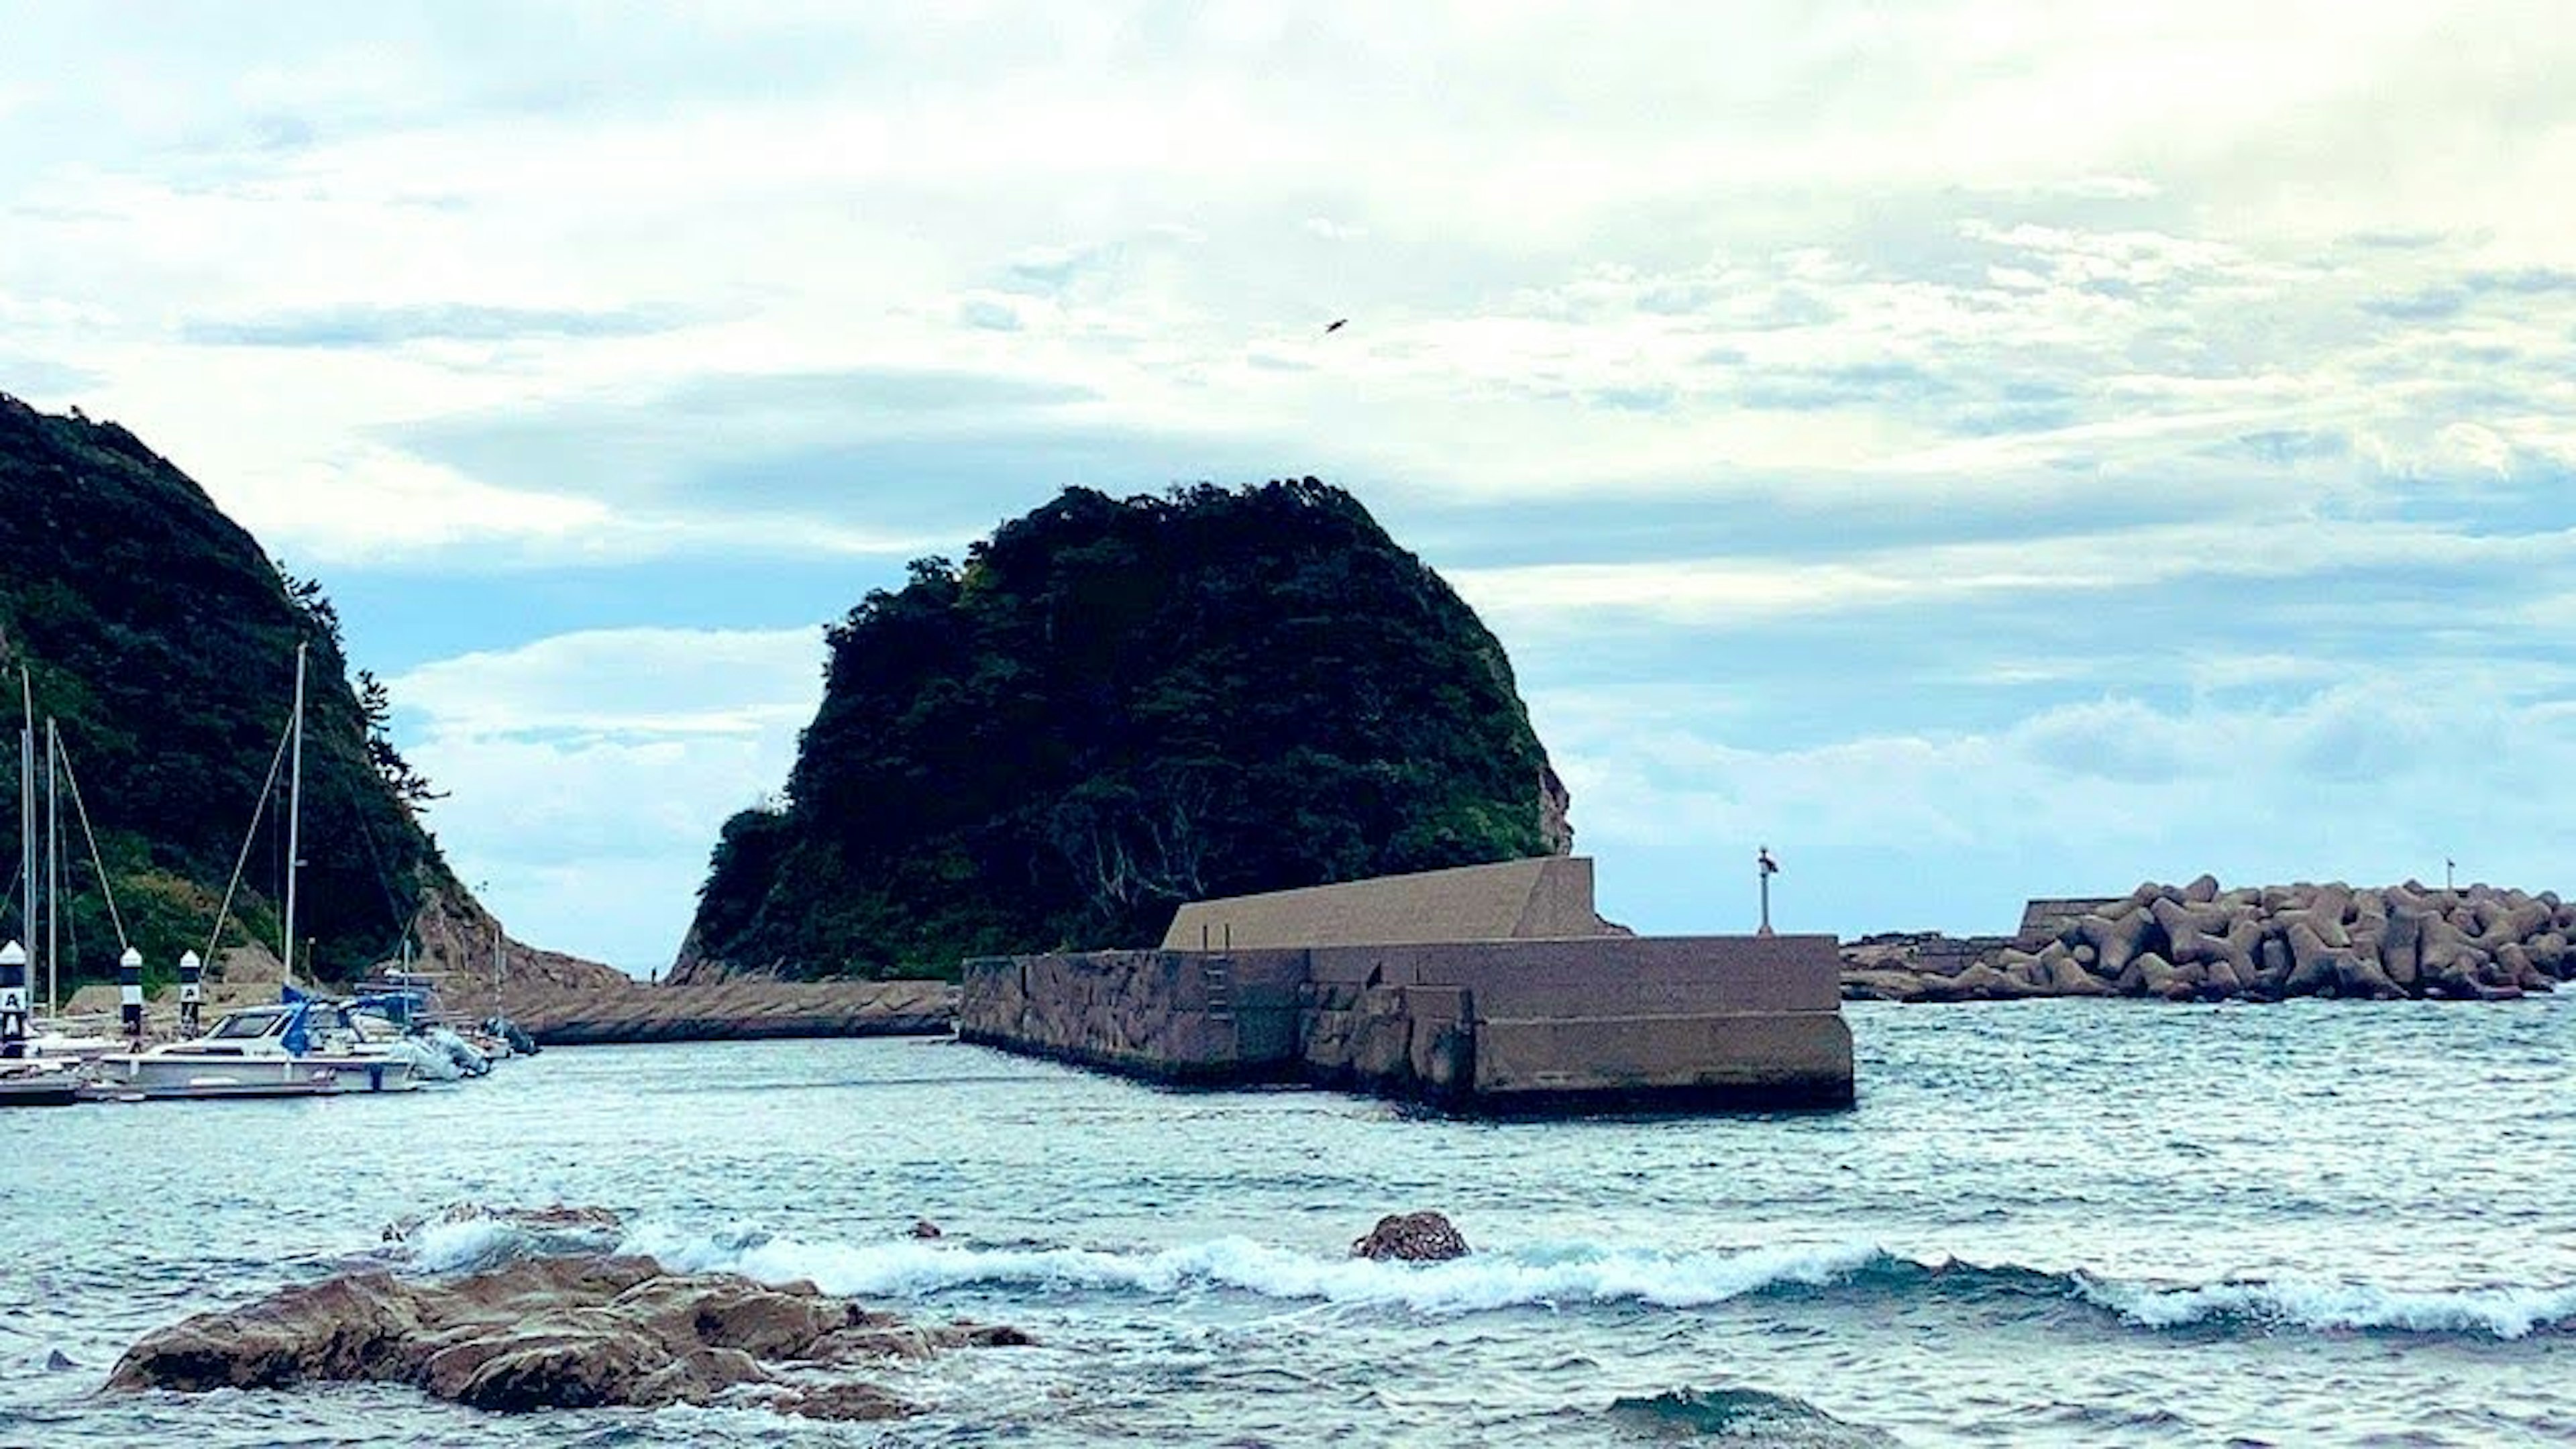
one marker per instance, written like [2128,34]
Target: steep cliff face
[1117,705]
[161,639]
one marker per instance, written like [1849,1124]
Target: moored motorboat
[278,1046]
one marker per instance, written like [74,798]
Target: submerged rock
[1413,1238]
[551,1333]
[559,1218]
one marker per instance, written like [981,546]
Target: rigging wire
[241,862]
[106,887]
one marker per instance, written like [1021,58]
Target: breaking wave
[2352,1307]
[1591,1274]
[474,1244]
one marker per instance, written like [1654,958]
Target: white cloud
[651,682]
[1550,600]
[591,771]
[811,215]
[2365,780]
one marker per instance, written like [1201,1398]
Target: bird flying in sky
[1338,324]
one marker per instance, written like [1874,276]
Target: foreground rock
[1411,1238]
[550,1333]
[2198,942]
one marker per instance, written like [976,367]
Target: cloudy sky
[1976,450]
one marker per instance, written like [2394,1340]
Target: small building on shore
[1493,988]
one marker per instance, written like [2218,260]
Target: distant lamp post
[1767,867]
[2448,865]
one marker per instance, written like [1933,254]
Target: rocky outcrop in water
[2199,942]
[1424,1237]
[550,1333]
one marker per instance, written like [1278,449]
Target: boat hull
[170,1072]
[321,1082]
[39,1089]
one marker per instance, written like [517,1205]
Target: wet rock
[1885,984]
[1424,1237]
[58,1362]
[549,1333]
[1981,982]
[557,1219]
[843,1403]
[925,1228]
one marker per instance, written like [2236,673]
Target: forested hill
[1115,705]
[161,638]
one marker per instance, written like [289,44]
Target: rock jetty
[2198,942]
[548,1333]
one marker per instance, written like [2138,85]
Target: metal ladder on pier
[1218,972]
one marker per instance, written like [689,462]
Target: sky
[1974,450]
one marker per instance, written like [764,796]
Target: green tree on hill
[161,638]
[1116,705]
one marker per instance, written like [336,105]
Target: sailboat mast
[27,805]
[294,821]
[53,872]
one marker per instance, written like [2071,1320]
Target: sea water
[2079,1222]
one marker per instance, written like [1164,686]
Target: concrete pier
[1509,1024]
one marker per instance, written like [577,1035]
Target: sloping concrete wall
[1546,896]
[2043,917]
[734,1010]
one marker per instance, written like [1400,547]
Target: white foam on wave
[442,1247]
[1562,1274]
[2309,1303]
[474,1243]
[1479,1282]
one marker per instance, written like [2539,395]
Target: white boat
[38,1084]
[51,1042]
[264,1048]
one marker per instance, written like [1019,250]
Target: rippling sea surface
[2081,1222]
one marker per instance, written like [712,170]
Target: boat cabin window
[242,1025]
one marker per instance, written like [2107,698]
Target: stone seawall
[737,1010]
[1505,1026]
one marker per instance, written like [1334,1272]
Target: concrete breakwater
[736,1010]
[2200,942]
[1505,1026]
